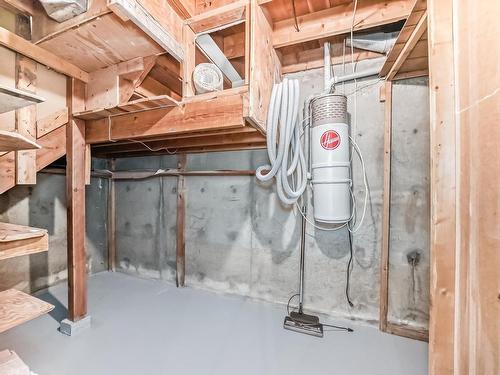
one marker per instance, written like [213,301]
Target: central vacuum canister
[331,177]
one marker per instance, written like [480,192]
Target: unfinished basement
[250,187]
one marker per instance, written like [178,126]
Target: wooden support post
[26,116]
[75,195]
[443,187]
[111,219]
[181,218]
[189,63]
[88,164]
[384,254]
[26,121]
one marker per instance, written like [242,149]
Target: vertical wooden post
[181,218]
[477,96]
[443,187]
[111,219]
[88,164]
[75,196]
[188,64]
[384,254]
[26,77]
[26,121]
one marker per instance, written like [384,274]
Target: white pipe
[357,75]
[327,66]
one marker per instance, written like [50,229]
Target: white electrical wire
[284,146]
[356,224]
[353,66]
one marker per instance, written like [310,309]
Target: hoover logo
[330,140]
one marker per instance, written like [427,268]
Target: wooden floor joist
[180,144]
[224,112]
[338,20]
[409,56]
[22,46]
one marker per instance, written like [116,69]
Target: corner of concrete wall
[240,239]
[44,206]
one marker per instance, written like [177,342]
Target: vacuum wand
[298,321]
[302,257]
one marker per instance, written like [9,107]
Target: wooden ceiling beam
[338,20]
[190,150]
[28,49]
[143,18]
[179,144]
[224,112]
[22,6]
[184,8]
[218,17]
[234,45]
[186,136]
[412,41]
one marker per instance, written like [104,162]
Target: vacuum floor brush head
[303,323]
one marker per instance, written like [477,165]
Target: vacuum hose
[284,145]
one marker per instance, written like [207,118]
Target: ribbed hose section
[284,146]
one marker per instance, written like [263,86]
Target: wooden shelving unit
[18,240]
[12,99]
[10,363]
[17,308]
[13,141]
[155,102]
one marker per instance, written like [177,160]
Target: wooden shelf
[133,106]
[18,240]
[10,363]
[11,99]
[17,308]
[13,141]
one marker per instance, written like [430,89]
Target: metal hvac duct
[62,10]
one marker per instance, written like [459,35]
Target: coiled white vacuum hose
[284,146]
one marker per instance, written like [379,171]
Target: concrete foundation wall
[44,206]
[240,239]
[409,240]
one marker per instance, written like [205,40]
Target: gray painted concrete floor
[150,327]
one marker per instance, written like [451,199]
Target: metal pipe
[327,65]
[302,255]
[376,42]
[357,75]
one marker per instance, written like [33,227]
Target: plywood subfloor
[151,327]
[101,42]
